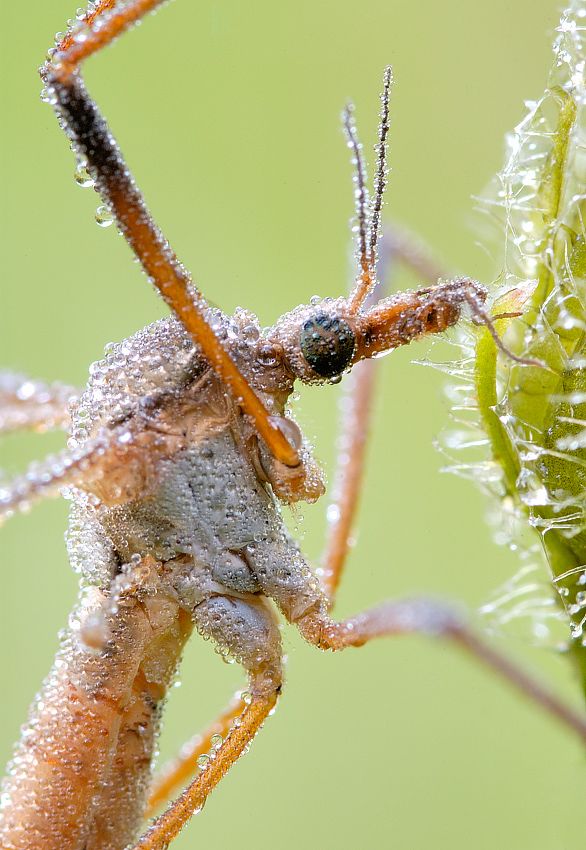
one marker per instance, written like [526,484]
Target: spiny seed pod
[535,418]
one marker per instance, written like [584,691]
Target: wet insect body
[182,449]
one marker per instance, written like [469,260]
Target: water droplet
[48,95]
[104,216]
[83,178]
[333,513]
[203,760]
[81,33]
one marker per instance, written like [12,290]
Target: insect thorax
[194,491]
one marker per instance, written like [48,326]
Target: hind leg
[176,773]
[248,631]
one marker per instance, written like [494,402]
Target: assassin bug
[178,451]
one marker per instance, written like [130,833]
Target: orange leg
[400,245]
[356,408]
[397,246]
[429,617]
[434,619]
[95,145]
[176,773]
[33,405]
[192,800]
[248,630]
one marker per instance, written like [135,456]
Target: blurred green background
[229,117]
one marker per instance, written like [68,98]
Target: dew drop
[48,95]
[83,178]
[104,216]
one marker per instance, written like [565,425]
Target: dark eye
[327,343]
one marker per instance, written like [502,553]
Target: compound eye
[327,343]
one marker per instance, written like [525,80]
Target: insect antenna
[368,263]
[380,178]
[481,317]
[360,196]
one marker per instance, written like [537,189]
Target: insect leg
[33,405]
[113,466]
[96,147]
[247,629]
[176,773]
[397,247]
[355,420]
[284,576]
[100,25]
[435,619]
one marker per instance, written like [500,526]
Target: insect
[173,476]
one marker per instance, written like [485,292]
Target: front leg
[96,147]
[32,405]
